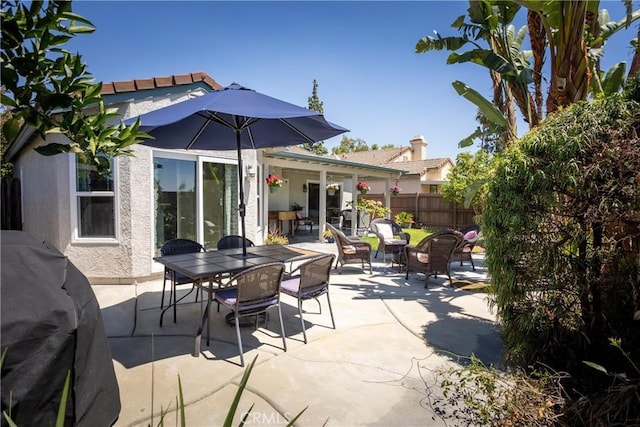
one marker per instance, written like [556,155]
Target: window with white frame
[95,201]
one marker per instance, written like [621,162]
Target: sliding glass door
[219,202]
[194,199]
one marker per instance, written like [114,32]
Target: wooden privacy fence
[429,210]
[11,215]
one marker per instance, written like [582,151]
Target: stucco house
[112,227]
[423,175]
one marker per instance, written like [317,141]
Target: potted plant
[395,190]
[276,239]
[363,187]
[327,236]
[274,182]
[405,219]
[296,207]
[332,188]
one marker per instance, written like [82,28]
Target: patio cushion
[395,242]
[292,286]
[471,235]
[349,250]
[423,258]
[229,297]
[386,231]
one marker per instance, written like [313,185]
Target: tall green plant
[48,88]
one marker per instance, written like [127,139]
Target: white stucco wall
[46,205]
[45,194]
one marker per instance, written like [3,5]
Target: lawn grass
[416,234]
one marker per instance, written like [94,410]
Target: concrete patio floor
[378,367]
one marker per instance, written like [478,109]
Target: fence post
[455,217]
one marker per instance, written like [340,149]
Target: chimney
[419,147]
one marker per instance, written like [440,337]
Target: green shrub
[404,218]
[562,232]
[276,239]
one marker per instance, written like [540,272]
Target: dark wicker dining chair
[232,242]
[432,255]
[309,281]
[253,291]
[177,247]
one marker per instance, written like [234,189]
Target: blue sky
[360,53]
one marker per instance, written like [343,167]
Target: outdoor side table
[398,257]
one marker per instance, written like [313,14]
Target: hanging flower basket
[274,182]
[395,190]
[332,188]
[363,187]
[331,191]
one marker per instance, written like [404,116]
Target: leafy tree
[48,88]
[574,34]
[316,105]
[468,180]
[382,147]
[6,169]
[350,145]
[496,46]
[488,133]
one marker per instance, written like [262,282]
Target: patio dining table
[210,265]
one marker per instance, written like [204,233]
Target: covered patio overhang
[303,168]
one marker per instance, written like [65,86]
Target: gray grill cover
[51,323]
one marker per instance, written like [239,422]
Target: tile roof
[110,88]
[421,166]
[385,158]
[374,157]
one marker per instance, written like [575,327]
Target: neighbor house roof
[422,166]
[374,157]
[385,158]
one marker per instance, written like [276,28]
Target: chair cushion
[471,235]
[395,242]
[228,298]
[422,257]
[290,286]
[385,230]
[349,250]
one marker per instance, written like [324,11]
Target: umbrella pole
[241,207]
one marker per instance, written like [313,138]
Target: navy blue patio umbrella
[234,118]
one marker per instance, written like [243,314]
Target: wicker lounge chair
[391,238]
[432,255]
[351,250]
[469,235]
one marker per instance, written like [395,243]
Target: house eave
[286,155]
